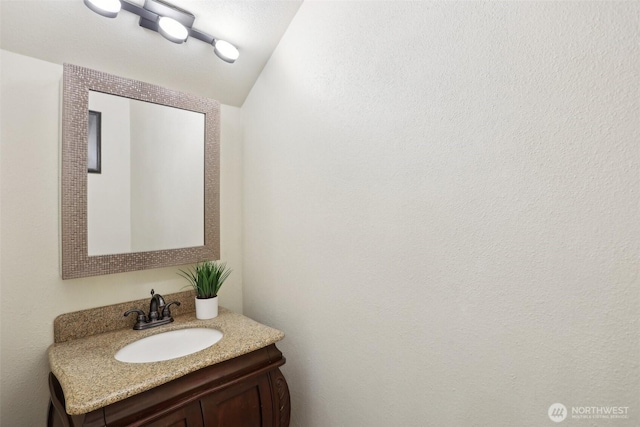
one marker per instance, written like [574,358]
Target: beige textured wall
[442,211]
[32,292]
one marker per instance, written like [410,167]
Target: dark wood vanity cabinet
[247,391]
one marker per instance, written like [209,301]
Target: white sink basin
[168,345]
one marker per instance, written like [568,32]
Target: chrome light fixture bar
[175,24]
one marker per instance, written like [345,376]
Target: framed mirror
[154,200]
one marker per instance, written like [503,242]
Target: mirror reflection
[149,192]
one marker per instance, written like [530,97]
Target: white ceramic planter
[206,308]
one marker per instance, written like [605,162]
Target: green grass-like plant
[206,278]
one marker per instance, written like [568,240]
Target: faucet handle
[142,318]
[166,313]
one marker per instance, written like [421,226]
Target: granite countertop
[91,377]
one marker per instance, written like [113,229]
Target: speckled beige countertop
[91,377]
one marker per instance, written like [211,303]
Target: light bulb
[108,8]
[226,51]
[172,30]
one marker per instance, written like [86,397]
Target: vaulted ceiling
[62,31]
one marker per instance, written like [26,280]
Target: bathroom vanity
[236,382]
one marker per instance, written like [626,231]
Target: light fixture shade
[107,8]
[172,30]
[226,51]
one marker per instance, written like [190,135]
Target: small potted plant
[206,278]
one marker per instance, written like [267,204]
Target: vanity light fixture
[175,24]
[225,51]
[172,30]
[108,8]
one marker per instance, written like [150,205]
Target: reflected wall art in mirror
[155,199]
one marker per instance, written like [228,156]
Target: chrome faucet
[159,313]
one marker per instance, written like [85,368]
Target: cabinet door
[187,416]
[247,404]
